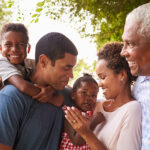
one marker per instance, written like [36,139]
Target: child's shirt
[66,144]
[7,69]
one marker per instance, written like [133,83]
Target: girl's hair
[85,78]
[111,53]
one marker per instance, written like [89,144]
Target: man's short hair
[141,15]
[15,27]
[54,45]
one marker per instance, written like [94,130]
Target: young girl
[84,94]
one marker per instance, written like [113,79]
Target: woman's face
[108,80]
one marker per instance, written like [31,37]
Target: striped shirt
[141,92]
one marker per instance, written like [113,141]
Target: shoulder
[133,108]
[9,90]
[142,80]
[11,93]
[29,63]
[4,60]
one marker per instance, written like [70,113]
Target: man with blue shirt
[136,50]
[26,124]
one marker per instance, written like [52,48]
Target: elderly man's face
[136,50]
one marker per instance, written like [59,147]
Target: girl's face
[86,95]
[108,80]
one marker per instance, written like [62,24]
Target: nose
[15,48]
[70,74]
[124,51]
[99,83]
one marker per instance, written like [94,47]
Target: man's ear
[28,48]
[44,60]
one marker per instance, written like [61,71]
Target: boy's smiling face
[13,46]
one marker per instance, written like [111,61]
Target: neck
[37,77]
[123,98]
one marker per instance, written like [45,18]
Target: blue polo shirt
[26,124]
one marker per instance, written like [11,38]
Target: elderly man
[136,50]
[26,124]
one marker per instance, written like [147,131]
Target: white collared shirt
[141,92]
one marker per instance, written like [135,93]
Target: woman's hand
[80,121]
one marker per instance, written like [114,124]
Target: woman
[121,129]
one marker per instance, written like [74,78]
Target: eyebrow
[69,66]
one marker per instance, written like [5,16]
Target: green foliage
[82,67]
[106,17]
[5,13]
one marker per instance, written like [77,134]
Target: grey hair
[141,15]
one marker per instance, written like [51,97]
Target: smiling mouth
[132,63]
[14,56]
[104,91]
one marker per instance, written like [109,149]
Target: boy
[16,69]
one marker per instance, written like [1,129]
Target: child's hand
[97,119]
[45,95]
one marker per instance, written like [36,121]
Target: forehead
[88,85]
[69,60]
[101,66]
[13,36]
[130,31]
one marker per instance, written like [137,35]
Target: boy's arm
[23,85]
[48,94]
[42,94]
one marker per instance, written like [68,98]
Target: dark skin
[43,73]
[1,85]
[75,138]
[15,44]
[41,93]
[85,130]
[85,99]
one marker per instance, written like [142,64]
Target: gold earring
[121,79]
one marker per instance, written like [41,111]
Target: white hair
[141,15]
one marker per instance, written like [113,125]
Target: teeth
[131,63]
[14,56]
[104,90]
